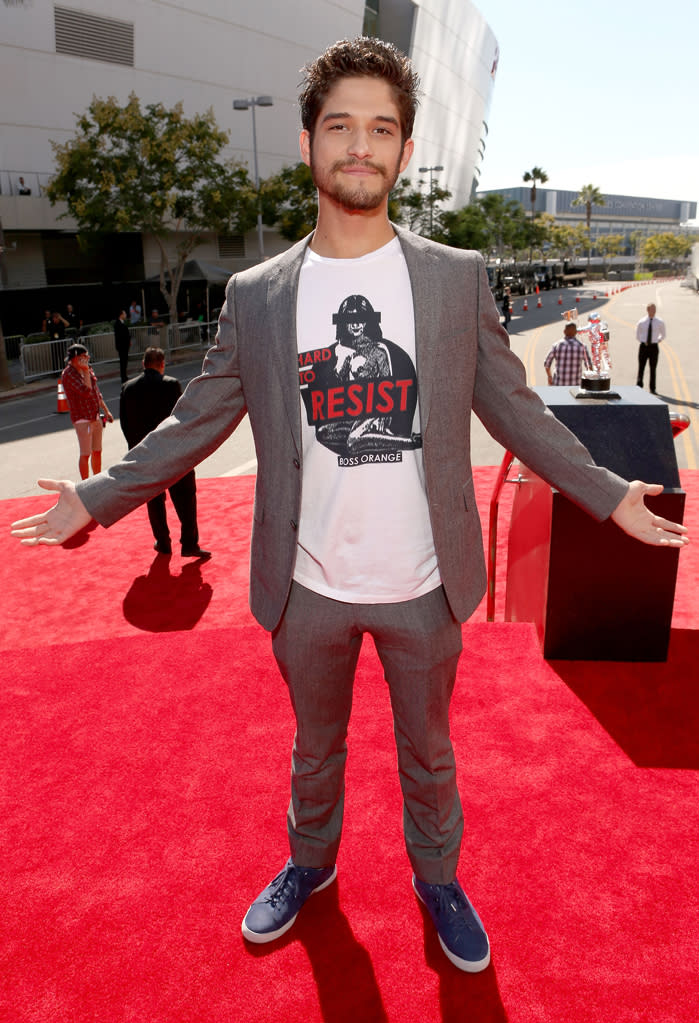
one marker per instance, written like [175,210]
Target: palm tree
[589,196]
[534,175]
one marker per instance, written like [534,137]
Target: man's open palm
[59,523]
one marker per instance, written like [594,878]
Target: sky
[601,93]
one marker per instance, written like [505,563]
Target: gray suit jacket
[463,363]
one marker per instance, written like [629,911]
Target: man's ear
[305,146]
[408,148]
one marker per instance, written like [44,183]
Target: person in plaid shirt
[85,401]
[570,354]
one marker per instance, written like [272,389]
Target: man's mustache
[344,164]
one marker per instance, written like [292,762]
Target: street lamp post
[424,170]
[250,104]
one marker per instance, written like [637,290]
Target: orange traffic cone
[61,400]
[577,298]
[560,300]
[525,306]
[538,301]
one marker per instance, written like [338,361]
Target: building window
[371,18]
[231,246]
[92,37]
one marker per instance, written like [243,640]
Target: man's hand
[632,515]
[59,523]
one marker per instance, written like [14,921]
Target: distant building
[621,214]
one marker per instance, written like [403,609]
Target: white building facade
[206,53]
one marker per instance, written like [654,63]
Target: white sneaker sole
[261,939]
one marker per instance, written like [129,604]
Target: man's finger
[32,520]
[672,527]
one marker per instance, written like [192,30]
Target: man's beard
[354,196]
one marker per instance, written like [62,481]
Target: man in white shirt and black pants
[650,331]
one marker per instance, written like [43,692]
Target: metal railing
[47,358]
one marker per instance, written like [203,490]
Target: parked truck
[566,275]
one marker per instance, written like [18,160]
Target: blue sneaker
[274,910]
[460,930]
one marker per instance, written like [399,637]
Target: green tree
[609,245]
[534,175]
[589,196]
[468,228]
[539,233]
[506,218]
[290,202]
[152,171]
[666,246]
[419,211]
[567,240]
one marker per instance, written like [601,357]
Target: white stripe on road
[242,470]
[27,422]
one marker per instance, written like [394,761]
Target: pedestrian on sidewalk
[570,355]
[85,403]
[122,341]
[145,402]
[650,331]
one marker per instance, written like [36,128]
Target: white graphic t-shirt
[364,531]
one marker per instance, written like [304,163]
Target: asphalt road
[35,441]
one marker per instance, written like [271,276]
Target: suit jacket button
[293,525]
[297,464]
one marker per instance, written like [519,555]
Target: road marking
[28,422]
[681,387]
[247,468]
[529,358]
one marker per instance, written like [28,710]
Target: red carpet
[146,741]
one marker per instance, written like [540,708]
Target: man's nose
[360,144]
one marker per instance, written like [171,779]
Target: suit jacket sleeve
[208,412]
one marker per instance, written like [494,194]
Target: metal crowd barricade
[42,358]
[13,345]
[47,358]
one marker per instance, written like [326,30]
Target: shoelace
[285,882]
[451,900]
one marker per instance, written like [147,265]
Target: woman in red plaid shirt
[85,402]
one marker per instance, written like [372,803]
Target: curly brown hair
[363,56]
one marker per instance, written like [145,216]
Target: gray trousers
[317,645]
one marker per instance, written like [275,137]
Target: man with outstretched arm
[359,354]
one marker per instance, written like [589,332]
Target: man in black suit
[146,401]
[122,341]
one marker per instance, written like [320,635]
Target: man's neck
[340,234]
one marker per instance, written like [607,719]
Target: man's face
[357,151]
[651,310]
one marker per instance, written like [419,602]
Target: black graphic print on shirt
[360,393]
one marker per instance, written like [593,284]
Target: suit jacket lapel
[282,290]
[423,269]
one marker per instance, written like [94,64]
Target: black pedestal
[593,592]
